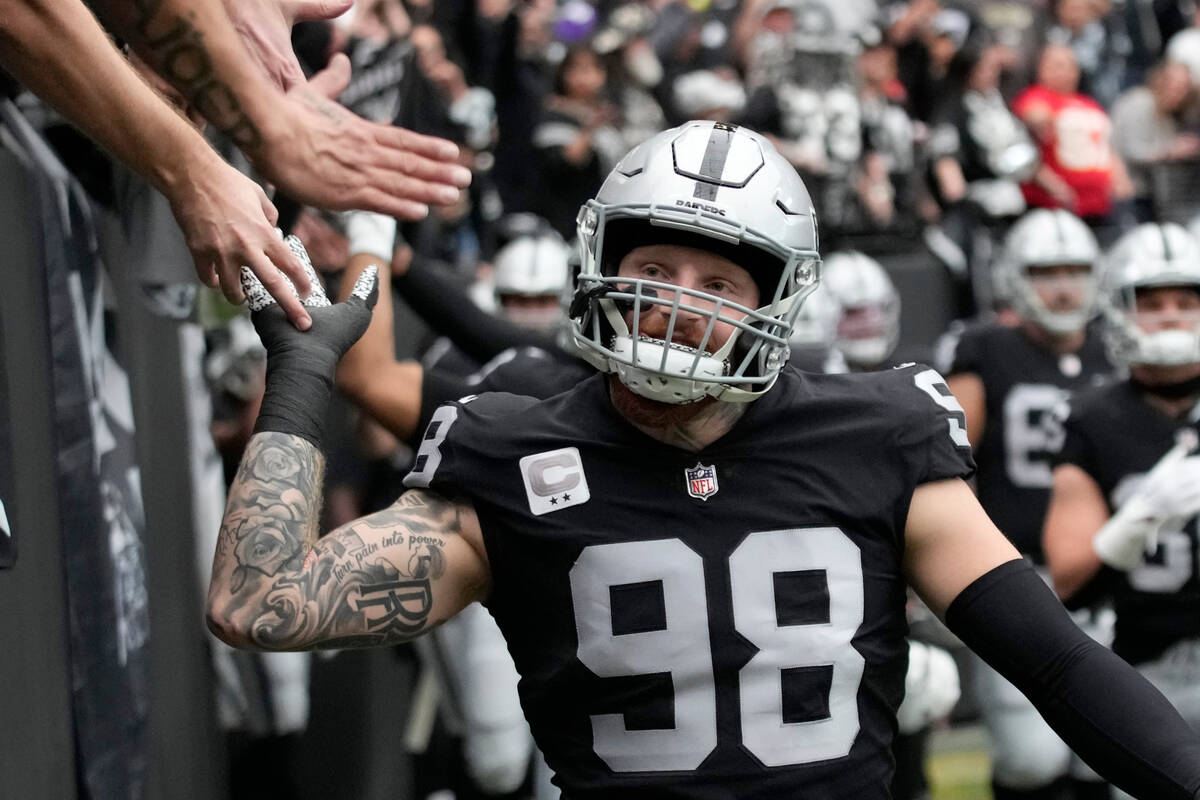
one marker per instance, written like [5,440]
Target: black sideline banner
[99,491]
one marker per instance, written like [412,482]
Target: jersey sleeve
[457,431]
[935,427]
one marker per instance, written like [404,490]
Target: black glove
[301,364]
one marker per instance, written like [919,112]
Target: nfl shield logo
[701,481]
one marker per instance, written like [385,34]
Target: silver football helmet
[1048,237]
[869,325]
[1151,254]
[709,185]
[532,266]
[816,324]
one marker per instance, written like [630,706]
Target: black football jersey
[529,371]
[1115,436]
[721,624]
[1023,383]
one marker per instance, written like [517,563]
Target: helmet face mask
[1041,240]
[1150,257]
[721,189]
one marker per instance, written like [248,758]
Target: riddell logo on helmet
[701,206]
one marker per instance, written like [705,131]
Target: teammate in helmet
[868,326]
[1009,380]
[530,276]
[699,556]
[1123,516]
[813,340]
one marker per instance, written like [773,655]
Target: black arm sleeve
[450,312]
[1100,705]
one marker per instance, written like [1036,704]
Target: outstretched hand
[228,225]
[335,327]
[300,364]
[265,28]
[326,156]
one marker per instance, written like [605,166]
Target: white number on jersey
[1031,432]
[429,455]
[682,648]
[931,383]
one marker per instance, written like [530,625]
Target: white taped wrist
[368,232]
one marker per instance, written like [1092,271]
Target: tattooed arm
[379,580]
[296,135]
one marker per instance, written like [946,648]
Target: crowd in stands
[928,125]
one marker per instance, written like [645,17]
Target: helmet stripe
[712,165]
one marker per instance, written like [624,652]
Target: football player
[698,557]
[1009,379]
[1122,519]
[868,328]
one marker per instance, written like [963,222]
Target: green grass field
[958,765]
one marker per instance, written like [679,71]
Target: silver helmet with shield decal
[716,187]
[1151,255]
[530,275]
[1042,239]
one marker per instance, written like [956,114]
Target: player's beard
[647,413]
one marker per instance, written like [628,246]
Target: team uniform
[750,643]
[1114,436]
[1023,384]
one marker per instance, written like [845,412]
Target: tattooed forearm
[174,43]
[277,587]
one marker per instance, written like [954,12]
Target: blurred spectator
[801,85]
[710,94]
[1080,170]
[978,154]
[577,140]
[886,186]
[634,71]
[926,35]
[1154,124]
[1184,46]
[1014,26]
[1099,41]
[692,35]
[519,37]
